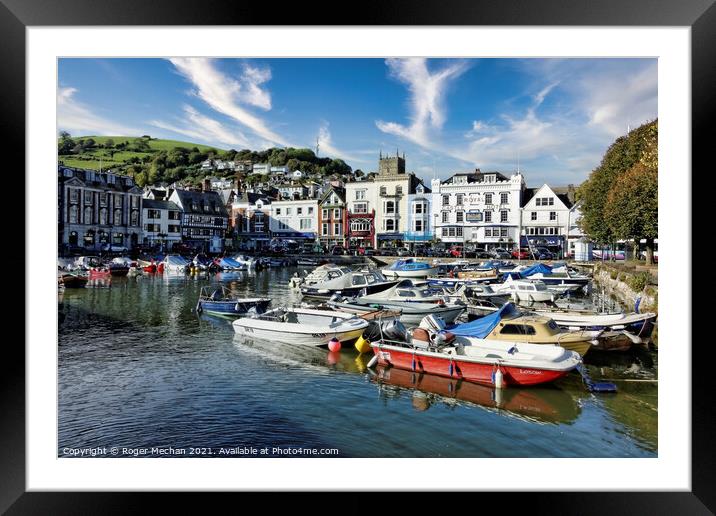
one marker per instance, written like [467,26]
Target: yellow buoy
[362,345]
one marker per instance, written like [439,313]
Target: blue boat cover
[408,265]
[228,262]
[535,269]
[482,327]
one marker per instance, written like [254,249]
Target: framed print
[429,245]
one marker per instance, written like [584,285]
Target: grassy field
[97,159]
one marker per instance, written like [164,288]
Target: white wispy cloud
[226,94]
[327,148]
[427,91]
[78,118]
[203,129]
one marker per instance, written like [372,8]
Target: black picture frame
[700,15]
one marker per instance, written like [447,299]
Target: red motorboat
[488,362]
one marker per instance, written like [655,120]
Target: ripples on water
[138,368]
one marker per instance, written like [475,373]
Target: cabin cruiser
[509,323]
[302,326]
[528,291]
[414,302]
[246,262]
[551,276]
[175,263]
[330,279]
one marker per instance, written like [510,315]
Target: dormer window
[419,189]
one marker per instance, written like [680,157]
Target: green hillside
[151,160]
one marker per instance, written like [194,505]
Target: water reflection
[537,404]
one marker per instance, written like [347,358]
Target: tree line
[620,197]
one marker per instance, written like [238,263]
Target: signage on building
[473,216]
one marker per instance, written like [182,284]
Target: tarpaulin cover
[482,327]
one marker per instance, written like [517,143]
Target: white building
[261,168]
[294,219]
[361,202]
[478,208]
[161,223]
[550,219]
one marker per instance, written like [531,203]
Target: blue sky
[556,117]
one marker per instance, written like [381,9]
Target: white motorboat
[331,279]
[302,326]
[528,291]
[410,268]
[246,262]
[174,263]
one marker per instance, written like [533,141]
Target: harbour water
[141,373]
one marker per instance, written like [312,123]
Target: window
[278,211]
[259,217]
[360,195]
[383,190]
[552,215]
[451,232]
[459,199]
[551,201]
[324,213]
[419,208]
[173,229]
[488,216]
[103,216]
[444,232]
[135,201]
[488,198]
[458,231]
[358,280]
[89,238]
[503,232]
[306,223]
[134,218]
[337,228]
[117,217]
[299,211]
[488,232]
[74,194]
[460,216]
[360,225]
[533,215]
[446,200]
[503,198]
[503,216]
[288,211]
[390,207]
[310,210]
[360,207]
[518,329]
[399,190]
[324,229]
[418,226]
[88,197]
[389,225]
[117,201]
[87,219]
[103,199]
[446,215]
[73,214]
[336,213]
[117,238]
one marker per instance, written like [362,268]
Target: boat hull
[233,308]
[455,366]
[318,292]
[416,273]
[300,339]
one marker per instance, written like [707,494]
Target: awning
[391,236]
[543,239]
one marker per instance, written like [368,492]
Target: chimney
[206,187]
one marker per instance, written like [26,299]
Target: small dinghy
[221,301]
[302,326]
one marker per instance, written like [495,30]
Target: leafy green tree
[621,156]
[632,207]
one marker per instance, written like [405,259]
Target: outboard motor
[432,322]
[394,330]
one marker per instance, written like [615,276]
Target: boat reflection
[537,404]
[318,358]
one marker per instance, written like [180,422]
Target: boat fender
[497,378]
[451,368]
[372,361]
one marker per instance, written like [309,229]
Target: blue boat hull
[232,307]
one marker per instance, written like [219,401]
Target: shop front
[553,243]
[394,239]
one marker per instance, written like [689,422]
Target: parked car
[402,251]
[542,253]
[368,251]
[456,251]
[420,250]
[500,253]
[338,250]
[523,253]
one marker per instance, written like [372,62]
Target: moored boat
[501,364]
[528,291]
[302,326]
[222,301]
[331,279]
[410,268]
[73,280]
